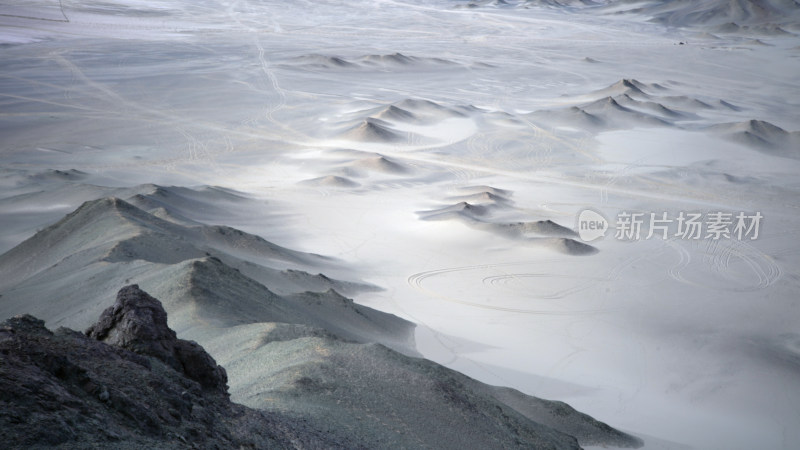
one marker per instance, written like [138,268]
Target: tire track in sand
[417,281]
[718,258]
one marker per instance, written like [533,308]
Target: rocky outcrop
[64,389]
[137,322]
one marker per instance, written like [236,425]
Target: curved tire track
[417,281]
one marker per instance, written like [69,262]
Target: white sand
[336,128]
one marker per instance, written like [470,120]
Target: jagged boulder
[138,322]
[65,390]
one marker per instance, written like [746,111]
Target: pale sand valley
[400,224]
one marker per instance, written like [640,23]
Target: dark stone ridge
[66,390]
[129,383]
[137,322]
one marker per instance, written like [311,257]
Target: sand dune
[399,59]
[626,86]
[630,103]
[381,164]
[374,130]
[728,105]
[482,195]
[478,214]
[687,102]
[653,107]
[762,135]
[392,112]
[397,122]
[317,61]
[333,181]
[627,103]
[462,209]
[429,109]
[573,117]
[388,61]
[541,234]
[616,115]
[393,59]
[58,175]
[479,189]
[481,198]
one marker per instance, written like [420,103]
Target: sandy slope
[438,153]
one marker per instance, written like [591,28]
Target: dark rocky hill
[147,389]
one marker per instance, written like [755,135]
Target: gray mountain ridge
[313,357]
